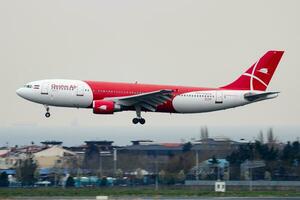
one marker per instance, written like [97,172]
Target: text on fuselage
[63,87]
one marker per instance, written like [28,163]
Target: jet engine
[105,107]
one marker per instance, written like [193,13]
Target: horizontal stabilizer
[261,96]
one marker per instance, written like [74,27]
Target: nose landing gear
[47,114]
[139,118]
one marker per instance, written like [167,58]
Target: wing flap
[147,106]
[148,101]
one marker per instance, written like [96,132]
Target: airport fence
[247,185]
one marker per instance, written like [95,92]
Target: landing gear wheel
[47,111]
[142,121]
[135,120]
[47,114]
[138,118]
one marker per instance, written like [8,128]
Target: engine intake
[105,107]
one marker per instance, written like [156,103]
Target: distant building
[147,155]
[50,143]
[103,157]
[4,153]
[148,147]
[103,145]
[55,157]
[9,157]
[95,156]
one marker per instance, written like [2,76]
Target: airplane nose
[20,92]
[25,93]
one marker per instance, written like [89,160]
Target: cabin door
[219,97]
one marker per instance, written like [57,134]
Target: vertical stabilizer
[259,75]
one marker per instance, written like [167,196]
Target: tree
[265,152]
[4,180]
[184,161]
[270,137]
[187,147]
[244,152]
[237,157]
[70,182]
[296,150]
[260,137]
[162,175]
[26,171]
[291,153]
[287,153]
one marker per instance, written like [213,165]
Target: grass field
[138,191]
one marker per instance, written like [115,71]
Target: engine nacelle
[105,107]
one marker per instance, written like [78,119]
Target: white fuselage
[207,101]
[58,92]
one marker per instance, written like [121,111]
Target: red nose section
[259,75]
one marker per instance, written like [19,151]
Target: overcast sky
[196,43]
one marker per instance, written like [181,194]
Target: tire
[142,121]
[135,120]
[47,115]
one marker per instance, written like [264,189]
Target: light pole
[250,185]
[115,161]
[100,163]
[156,172]
[197,165]
[251,169]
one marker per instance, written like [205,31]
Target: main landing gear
[47,114]
[139,118]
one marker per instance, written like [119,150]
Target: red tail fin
[259,75]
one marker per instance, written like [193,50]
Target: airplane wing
[149,100]
[261,96]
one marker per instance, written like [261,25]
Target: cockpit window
[28,86]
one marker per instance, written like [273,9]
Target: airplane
[111,97]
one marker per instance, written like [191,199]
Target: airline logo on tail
[263,70]
[259,75]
